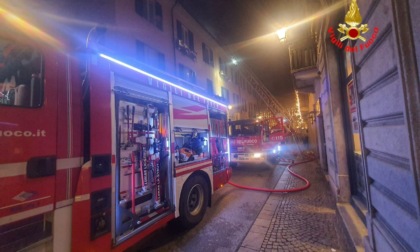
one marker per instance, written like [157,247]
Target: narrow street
[122,121]
[229,219]
[246,221]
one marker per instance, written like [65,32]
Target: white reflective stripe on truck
[26,214]
[16,169]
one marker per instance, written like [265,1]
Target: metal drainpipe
[173,35]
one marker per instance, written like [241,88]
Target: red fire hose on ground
[306,186]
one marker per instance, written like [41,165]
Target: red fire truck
[90,146]
[254,141]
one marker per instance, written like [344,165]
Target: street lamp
[282,34]
[234,61]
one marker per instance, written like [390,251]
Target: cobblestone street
[300,221]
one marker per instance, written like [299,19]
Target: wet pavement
[299,221]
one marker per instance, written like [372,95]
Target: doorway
[352,131]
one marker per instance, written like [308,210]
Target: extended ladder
[273,105]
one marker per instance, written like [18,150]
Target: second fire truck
[254,141]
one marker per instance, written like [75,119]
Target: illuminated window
[151,11]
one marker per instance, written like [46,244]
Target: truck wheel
[194,201]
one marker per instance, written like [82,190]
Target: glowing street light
[282,34]
[229,106]
[234,61]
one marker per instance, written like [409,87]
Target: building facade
[366,113]
[162,34]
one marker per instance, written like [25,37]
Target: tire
[194,201]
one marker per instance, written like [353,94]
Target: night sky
[246,29]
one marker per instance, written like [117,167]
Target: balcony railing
[186,50]
[303,63]
[302,57]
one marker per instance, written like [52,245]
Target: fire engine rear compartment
[142,166]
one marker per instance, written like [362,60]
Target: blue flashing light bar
[157,78]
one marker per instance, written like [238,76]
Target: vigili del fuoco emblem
[353,19]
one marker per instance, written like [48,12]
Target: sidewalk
[299,221]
